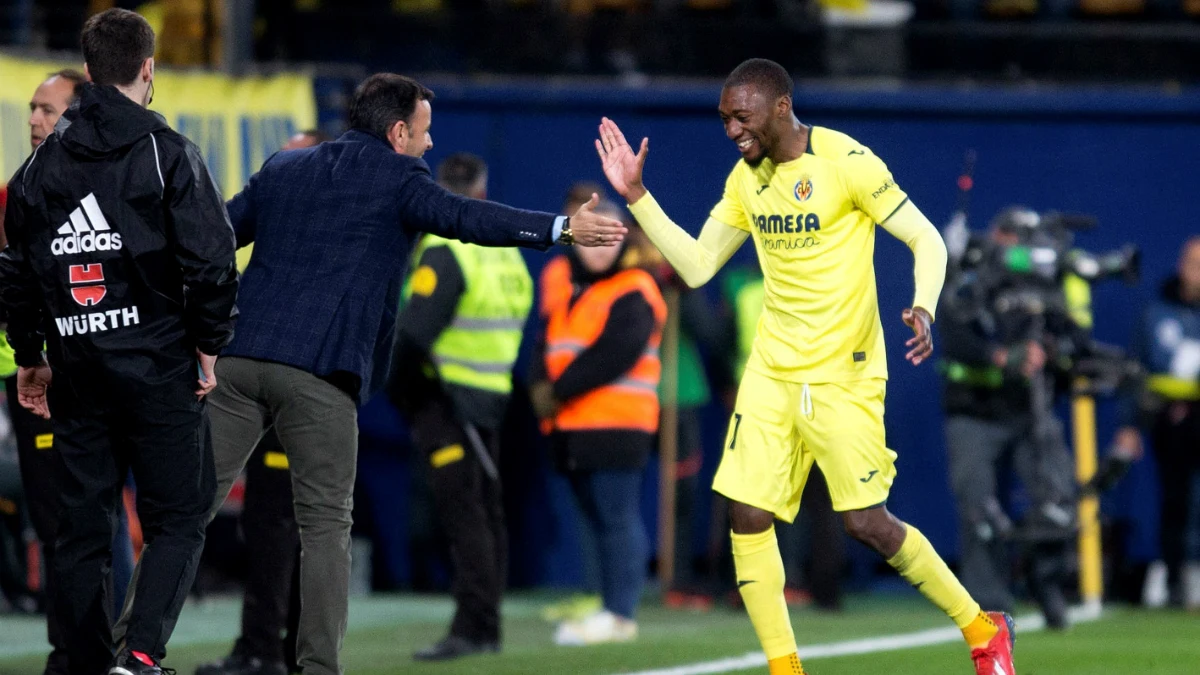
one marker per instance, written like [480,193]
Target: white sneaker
[1155,592]
[1191,586]
[599,628]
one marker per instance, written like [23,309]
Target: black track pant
[471,511]
[39,474]
[161,433]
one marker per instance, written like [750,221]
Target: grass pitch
[386,629]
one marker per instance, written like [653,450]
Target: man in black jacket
[35,436]
[121,262]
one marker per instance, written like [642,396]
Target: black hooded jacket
[121,255]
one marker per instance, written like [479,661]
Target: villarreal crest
[803,189]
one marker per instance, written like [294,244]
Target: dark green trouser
[317,425]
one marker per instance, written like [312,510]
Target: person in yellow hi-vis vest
[459,332]
[270,609]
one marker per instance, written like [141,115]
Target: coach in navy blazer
[332,228]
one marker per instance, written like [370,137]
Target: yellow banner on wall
[237,122]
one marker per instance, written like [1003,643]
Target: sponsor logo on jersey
[97,322]
[799,225]
[92,293]
[86,231]
[792,223]
[883,188]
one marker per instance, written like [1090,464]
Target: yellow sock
[980,631]
[922,567]
[785,665]
[760,581]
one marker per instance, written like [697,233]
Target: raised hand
[622,168]
[921,343]
[592,229]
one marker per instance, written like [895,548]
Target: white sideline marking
[1031,623]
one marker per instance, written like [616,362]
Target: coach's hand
[32,384]
[622,168]
[921,344]
[208,375]
[589,228]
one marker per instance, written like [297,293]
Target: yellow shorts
[779,429]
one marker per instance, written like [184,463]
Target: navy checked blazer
[332,227]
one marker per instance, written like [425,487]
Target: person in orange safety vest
[595,373]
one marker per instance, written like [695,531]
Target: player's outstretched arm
[696,261]
[911,226]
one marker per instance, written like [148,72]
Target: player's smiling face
[748,116]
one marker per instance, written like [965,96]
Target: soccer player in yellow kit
[814,385]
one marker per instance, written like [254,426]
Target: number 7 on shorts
[737,422]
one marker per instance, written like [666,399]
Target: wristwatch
[566,238]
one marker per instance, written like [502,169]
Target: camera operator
[999,380]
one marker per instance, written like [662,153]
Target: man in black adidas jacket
[120,261]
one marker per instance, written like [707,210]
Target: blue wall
[1129,157]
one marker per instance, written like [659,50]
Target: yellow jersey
[813,223]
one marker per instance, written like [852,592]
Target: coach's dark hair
[459,172]
[73,76]
[384,99]
[770,77]
[115,44]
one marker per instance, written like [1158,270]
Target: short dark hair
[459,172]
[115,44]
[770,77]
[384,99]
[74,77]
